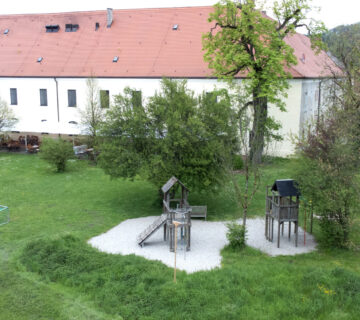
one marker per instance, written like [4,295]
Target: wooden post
[278,239]
[289,230]
[311,217]
[305,227]
[176,224]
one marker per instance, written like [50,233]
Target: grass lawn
[47,271]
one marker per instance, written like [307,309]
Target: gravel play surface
[207,240]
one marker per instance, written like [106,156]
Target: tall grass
[47,271]
[259,287]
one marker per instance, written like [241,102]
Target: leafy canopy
[176,133]
[246,42]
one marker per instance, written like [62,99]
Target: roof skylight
[39,59]
[175,27]
[116,59]
[6,31]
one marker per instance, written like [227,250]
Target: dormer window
[71,27]
[52,28]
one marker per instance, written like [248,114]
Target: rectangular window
[71,27]
[136,98]
[104,99]
[72,98]
[52,28]
[43,97]
[13,96]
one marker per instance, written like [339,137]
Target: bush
[56,152]
[238,162]
[333,234]
[236,235]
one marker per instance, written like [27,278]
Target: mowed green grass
[47,271]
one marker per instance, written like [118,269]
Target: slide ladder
[151,229]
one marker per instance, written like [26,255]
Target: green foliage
[92,115]
[236,235]
[244,42]
[176,134]
[135,288]
[84,202]
[7,116]
[341,40]
[56,152]
[326,172]
[238,162]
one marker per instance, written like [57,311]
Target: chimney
[109,17]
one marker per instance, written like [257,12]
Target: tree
[93,114]
[247,183]
[56,152]
[327,173]
[329,162]
[245,42]
[344,44]
[176,133]
[7,116]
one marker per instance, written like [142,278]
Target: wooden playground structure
[174,218]
[282,205]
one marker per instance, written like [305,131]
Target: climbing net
[4,215]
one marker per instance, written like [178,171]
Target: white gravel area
[207,240]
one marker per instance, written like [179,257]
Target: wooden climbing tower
[282,205]
[180,214]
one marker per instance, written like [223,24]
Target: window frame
[13,97]
[70,99]
[43,98]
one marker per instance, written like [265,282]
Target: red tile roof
[143,40]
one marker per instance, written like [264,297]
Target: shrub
[236,235]
[238,162]
[56,152]
[333,233]
[327,174]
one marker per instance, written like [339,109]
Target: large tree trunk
[258,131]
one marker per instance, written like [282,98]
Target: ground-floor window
[13,96]
[72,98]
[43,97]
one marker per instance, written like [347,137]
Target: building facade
[45,60]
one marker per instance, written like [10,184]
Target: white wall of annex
[28,110]
[289,119]
[30,113]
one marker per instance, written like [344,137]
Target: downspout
[318,108]
[57,99]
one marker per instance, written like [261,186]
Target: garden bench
[198,212]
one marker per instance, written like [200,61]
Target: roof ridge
[99,11]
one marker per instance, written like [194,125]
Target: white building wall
[290,120]
[30,113]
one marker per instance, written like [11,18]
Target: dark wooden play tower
[282,205]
